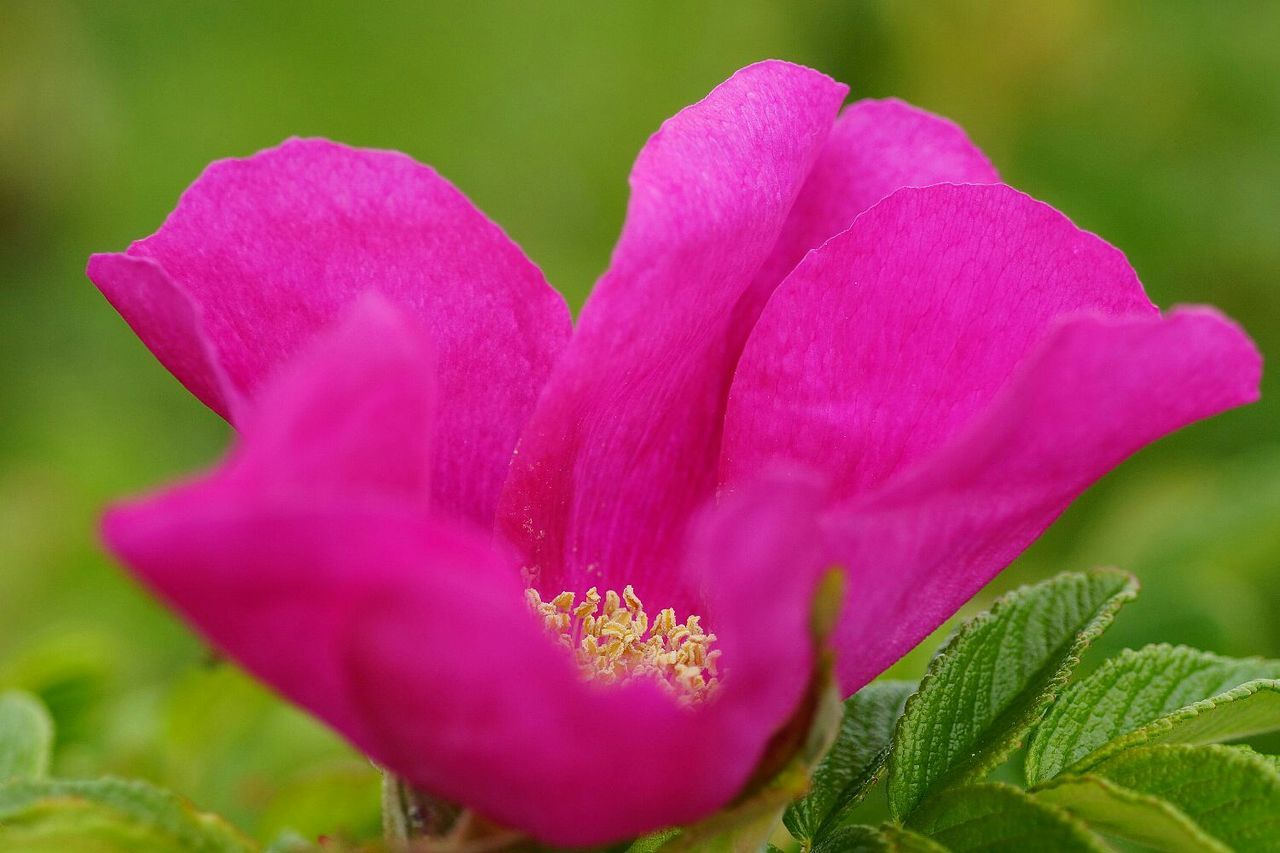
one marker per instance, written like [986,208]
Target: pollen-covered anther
[613,641]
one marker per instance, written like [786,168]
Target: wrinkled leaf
[1142,818]
[653,842]
[26,737]
[108,815]
[1159,694]
[1233,795]
[876,839]
[998,817]
[855,761]
[994,680]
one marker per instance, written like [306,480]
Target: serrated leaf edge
[1257,761]
[89,791]
[1150,733]
[895,838]
[1123,658]
[850,795]
[1078,827]
[1176,815]
[1106,613]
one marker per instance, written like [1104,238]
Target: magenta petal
[875,148]
[351,417]
[1095,391]
[340,443]
[277,587]
[272,247]
[468,699]
[623,443]
[414,641]
[920,360]
[145,296]
[312,558]
[897,332]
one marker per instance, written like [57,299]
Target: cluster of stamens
[612,641]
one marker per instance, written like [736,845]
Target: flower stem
[409,814]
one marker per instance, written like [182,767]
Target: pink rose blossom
[822,340]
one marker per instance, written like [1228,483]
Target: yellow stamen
[616,643]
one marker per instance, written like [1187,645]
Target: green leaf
[108,815]
[998,817]
[876,839]
[26,737]
[994,679]
[653,842]
[1159,694]
[1128,814]
[855,761]
[1232,794]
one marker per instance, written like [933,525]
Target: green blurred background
[1154,124]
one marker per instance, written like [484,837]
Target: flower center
[613,641]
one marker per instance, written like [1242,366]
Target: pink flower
[873,353]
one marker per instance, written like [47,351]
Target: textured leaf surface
[855,761]
[995,817]
[1159,694]
[1142,818]
[1232,794]
[994,680]
[26,737]
[106,816]
[876,839]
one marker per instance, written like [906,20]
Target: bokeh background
[1154,124]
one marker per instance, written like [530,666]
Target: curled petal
[353,416]
[621,448]
[147,298]
[248,553]
[875,149]
[1095,391]
[277,587]
[467,698]
[271,248]
[413,639]
[312,558]
[896,333]
[936,320]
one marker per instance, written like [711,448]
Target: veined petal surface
[875,148]
[488,712]
[910,332]
[1095,391]
[621,448]
[313,558]
[344,437]
[269,249]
